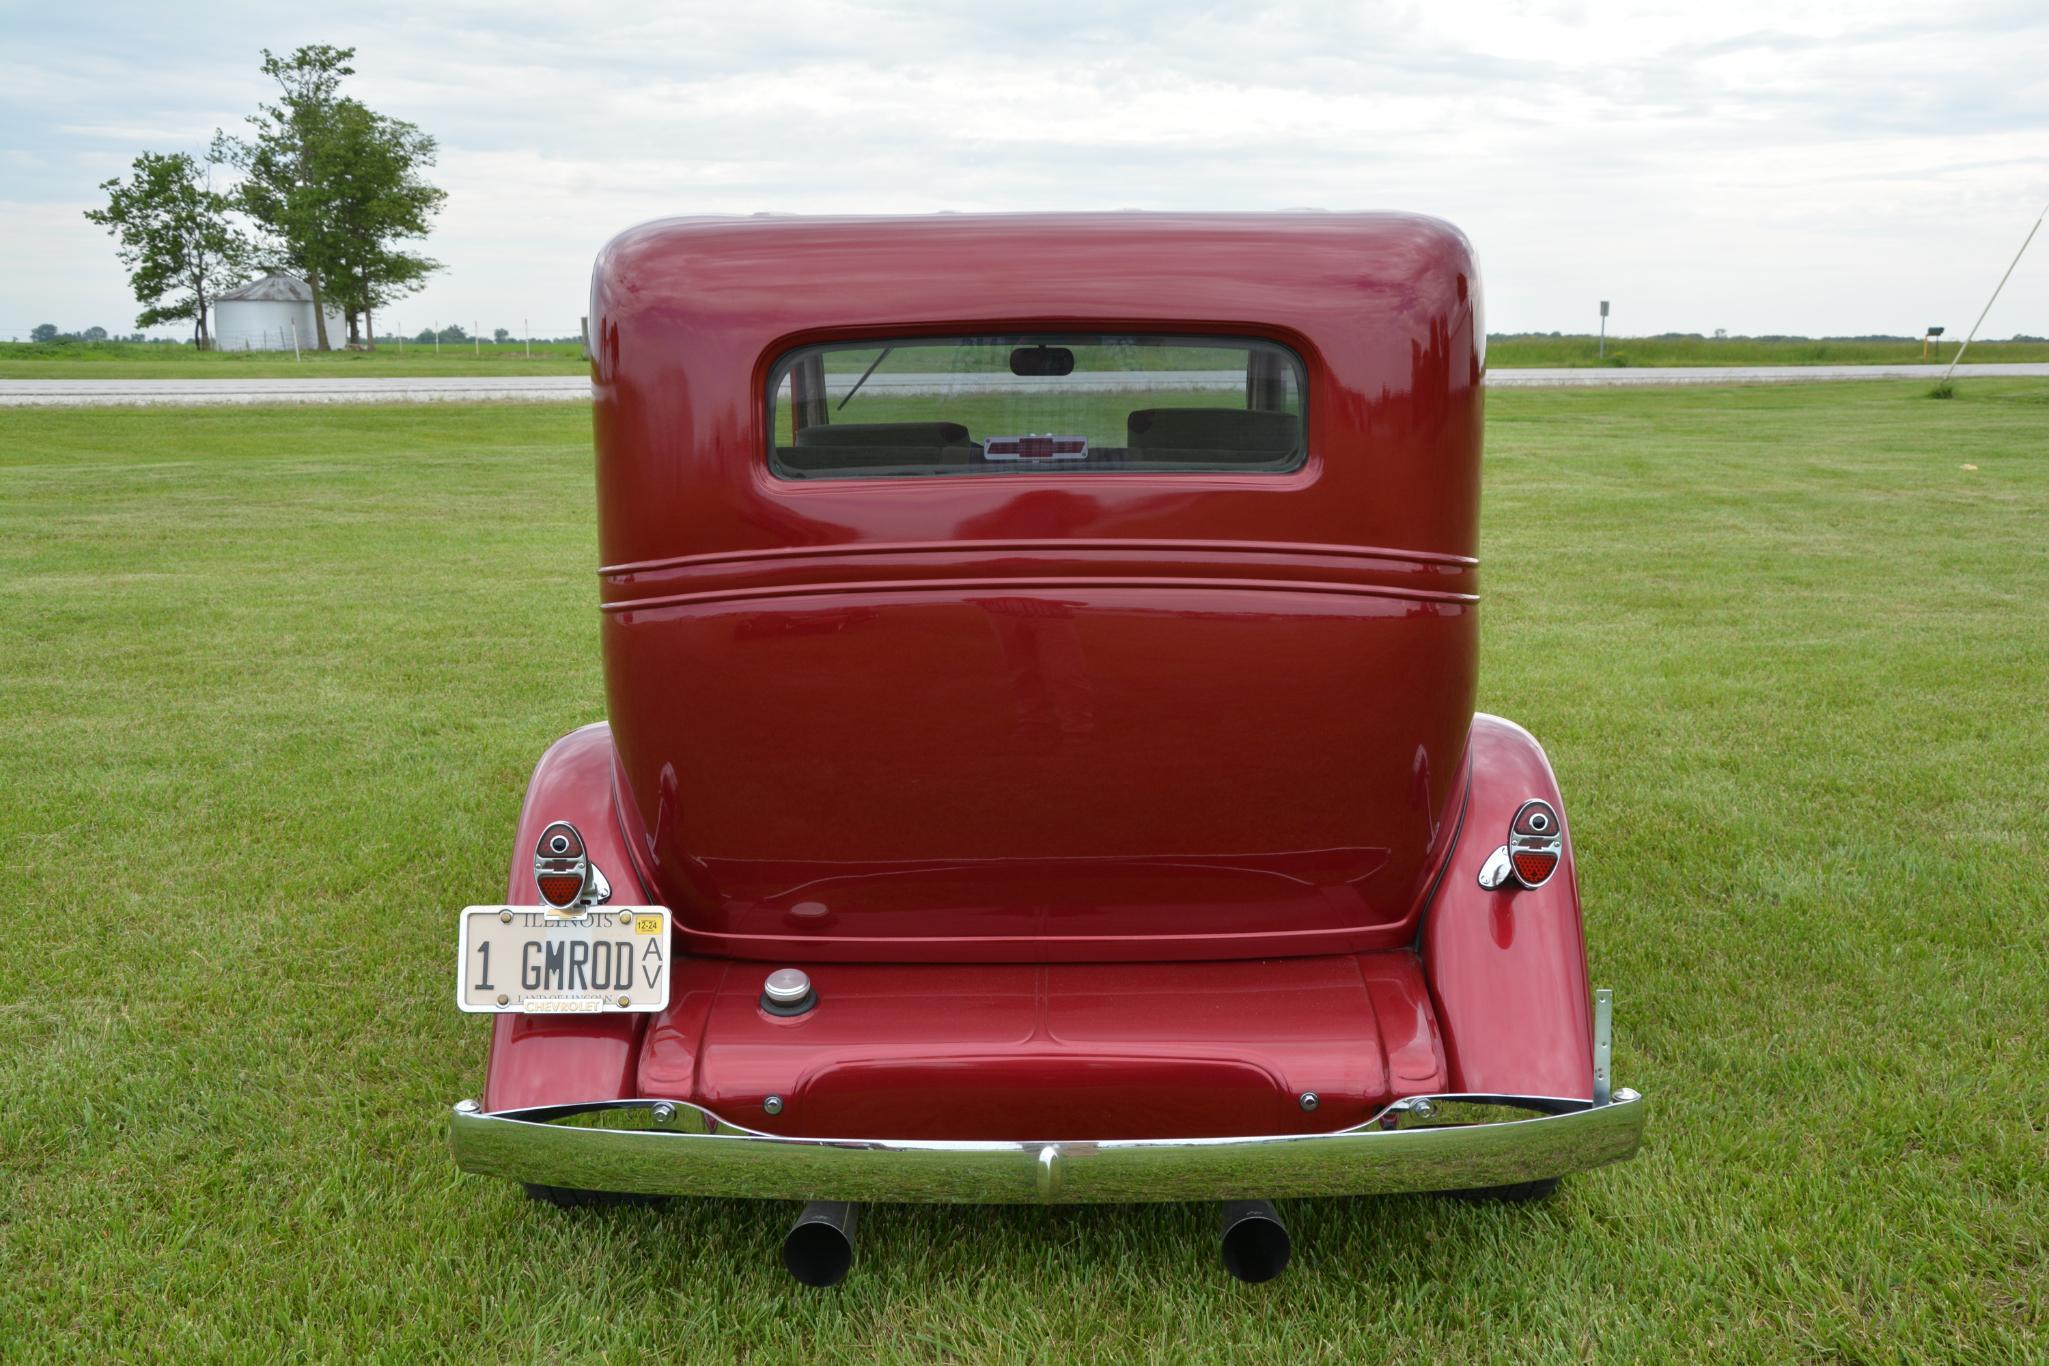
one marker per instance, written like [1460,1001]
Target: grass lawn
[1507,353]
[126,360]
[273,682]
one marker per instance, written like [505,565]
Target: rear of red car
[1040,660]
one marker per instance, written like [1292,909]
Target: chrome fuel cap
[787,986]
[788,992]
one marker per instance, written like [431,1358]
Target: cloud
[1761,167]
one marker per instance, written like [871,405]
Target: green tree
[338,185]
[500,335]
[175,238]
[370,170]
[47,332]
[282,163]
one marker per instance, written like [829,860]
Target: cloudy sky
[1819,168]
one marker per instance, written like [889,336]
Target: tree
[95,334]
[378,198]
[175,238]
[281,162]
[338,184]
[500,335]
[47,332]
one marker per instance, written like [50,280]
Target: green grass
[273,682]
[1508,353]
[126,360]
[136,360]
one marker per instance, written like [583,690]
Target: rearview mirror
[1042,360]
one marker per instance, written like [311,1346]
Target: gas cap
[788,992]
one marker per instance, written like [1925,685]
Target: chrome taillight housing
[1536,844]
[562,866]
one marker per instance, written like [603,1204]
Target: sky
[1818,168]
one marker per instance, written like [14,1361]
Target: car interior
[1046,418]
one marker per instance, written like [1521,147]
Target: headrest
[818,457]
[1237,431]
[883,434]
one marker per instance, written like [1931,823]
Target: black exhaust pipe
[820,1245]
[1256,1244]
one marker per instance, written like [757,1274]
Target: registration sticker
[513,960]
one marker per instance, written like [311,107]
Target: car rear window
[1044,405]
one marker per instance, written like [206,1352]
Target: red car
[1042,766]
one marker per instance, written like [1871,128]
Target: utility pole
[1995,293]
[1604,330]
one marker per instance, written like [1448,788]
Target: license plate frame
[565,981]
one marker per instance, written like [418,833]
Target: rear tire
[568,1197]
[1521,1193]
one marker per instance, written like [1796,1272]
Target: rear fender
[557,1059]
[1507,969]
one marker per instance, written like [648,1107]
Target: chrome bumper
[1421,1143]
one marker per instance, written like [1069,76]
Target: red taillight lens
[560,889]
[1534,867]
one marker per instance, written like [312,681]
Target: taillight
[1536,842]
[562,867]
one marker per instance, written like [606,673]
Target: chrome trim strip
[664,1147]
[1037,583]
[1081,545]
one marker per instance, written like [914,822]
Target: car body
[1116,788]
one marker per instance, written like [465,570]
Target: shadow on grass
[1395,1238]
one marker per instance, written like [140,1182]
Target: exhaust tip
[819,1248]
[1256,1246]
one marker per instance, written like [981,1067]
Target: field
[131,360]
[274,680]
[124,360]
[1509,353]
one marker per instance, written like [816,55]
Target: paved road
[71,393]
[576,388]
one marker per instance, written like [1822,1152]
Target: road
[575,388]
[74,393]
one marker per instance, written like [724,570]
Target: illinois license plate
[521,959]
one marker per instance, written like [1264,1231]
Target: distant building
[261,315]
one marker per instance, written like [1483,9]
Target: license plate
[524,960]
